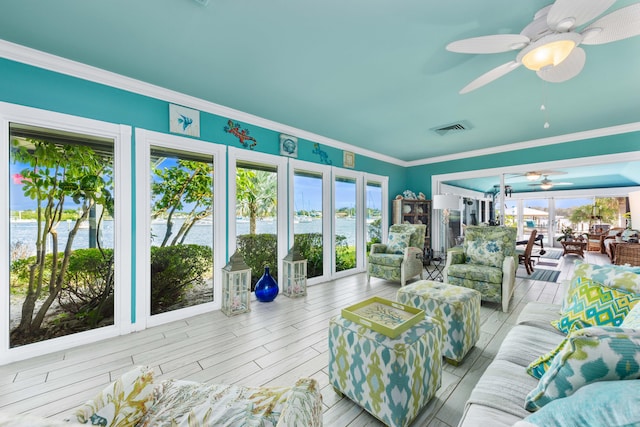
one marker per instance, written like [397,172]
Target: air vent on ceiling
[452,128]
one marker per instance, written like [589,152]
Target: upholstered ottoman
[455,307]
[391,378]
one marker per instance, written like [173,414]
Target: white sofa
[500,396]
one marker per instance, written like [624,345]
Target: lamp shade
[634,207]
[446,201]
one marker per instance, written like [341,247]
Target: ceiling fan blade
[567,69]
[618,25]
[489,44]
[565,15]
[490,76]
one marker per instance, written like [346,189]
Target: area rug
[552,253]
[541,274]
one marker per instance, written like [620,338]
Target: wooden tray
[384,316]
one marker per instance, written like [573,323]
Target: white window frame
[360,246]
[236,155]
[327,246]
[384,209]
[145,139]
[121,135]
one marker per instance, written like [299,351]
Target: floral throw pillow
[122,403]
[485,252]
[398,242]
[597,305]
[593,354]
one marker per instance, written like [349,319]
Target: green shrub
[258,251]
[88,285]
[345,257]
[174,270]
[310,247]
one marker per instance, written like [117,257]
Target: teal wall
[613,144]
[38,88]
[34,87]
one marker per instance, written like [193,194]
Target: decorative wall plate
[183,120]
[288,145]
[348,159]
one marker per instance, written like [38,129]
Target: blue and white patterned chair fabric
[401,258]
[486,263]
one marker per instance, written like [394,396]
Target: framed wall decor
[183,120]
[348,159]
[288,146]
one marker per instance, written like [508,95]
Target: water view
[25,232]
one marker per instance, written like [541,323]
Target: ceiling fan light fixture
[549,50]
[533,176]
[546,185]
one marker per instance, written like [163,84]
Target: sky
[560,203]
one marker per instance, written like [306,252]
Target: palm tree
[256,195]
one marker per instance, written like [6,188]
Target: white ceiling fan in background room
[549,44]
[547,184]
[536,175]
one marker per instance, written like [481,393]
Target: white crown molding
[37,58]
[26,55]
[560,139]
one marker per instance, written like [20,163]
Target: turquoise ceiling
[370,73]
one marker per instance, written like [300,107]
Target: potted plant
[567,234]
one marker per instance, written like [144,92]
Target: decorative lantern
[295,274]
[236,286]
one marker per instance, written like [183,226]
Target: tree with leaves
[54,174]
[189,183]
[256,195]
[608,208]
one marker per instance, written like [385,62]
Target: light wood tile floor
[274,344]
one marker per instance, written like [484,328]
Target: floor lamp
[445,203]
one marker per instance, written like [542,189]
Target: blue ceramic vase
[266,287]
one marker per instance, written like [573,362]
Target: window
[308,224]
[347,219]
[61,233]
[178,228]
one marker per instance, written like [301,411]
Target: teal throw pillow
[398,242]
[593,354]
[605,403]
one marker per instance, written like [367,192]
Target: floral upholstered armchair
[486,263]
[401,258]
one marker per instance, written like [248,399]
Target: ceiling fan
[547,184]
[536,175]
[549,44]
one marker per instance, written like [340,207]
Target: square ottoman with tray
[391,377]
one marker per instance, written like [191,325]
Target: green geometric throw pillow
[597,305]
[593,354]
[398,242]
